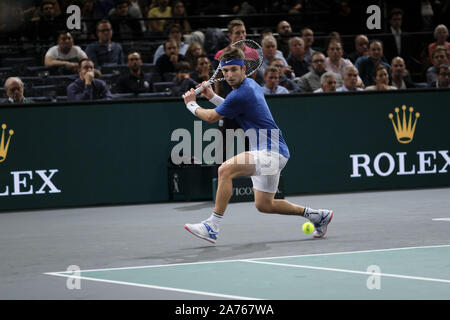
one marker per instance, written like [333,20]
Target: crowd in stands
[144,48]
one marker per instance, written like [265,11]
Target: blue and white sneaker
[320,226]
[203,230]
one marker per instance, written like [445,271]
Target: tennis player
[268,156]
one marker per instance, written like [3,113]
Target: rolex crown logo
[3,147]
[404,129]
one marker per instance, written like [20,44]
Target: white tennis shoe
[321,224]
[203,230]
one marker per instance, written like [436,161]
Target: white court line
[441,219]
[350,271]
[205,293]
[252,259]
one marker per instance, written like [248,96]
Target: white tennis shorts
[268,168]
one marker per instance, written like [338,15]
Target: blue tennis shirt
[248,106]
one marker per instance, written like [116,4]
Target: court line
[441,219]
[132,284]
[252,259]
[350,271]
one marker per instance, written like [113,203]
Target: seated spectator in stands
[350,79]
[381,79]
[123,24]
[87,87]
[105,50]
[328,82]
[14,91]
[167,62]
[296,57]
[182,81]
[335,62]
[284,34]
[102,8]
[46,26]
[162,10]
[441,35]
[311,80]
[179,12]
[361,48]
[270,52]
[135,13]
[203,69]
[65,54]
[236,32]
[308,38]
[367,65]
[400,76]
[286,76]
[135,80]
[13,26]
[271,82]
[194,50]
[443,79]
[439,56]
[175,33]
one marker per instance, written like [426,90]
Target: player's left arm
[208,115]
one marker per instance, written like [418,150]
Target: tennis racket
[252,60]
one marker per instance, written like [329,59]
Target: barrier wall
[117,152]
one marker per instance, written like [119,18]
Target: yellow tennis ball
[308,227]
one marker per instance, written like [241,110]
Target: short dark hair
[44,2]
[103,21]
[394,12]
[271,69]
[170,41]
[200,56]
[442,66]
[118,2]
[182,67]
[232,52]
[376,40]
[82,60]
[378,68]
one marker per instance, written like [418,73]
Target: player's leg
[240,165]
[266,203]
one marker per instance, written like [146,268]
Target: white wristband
[192,106]
[216,100]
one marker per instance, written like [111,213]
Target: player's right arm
[208,115]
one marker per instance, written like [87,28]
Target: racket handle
[201,89]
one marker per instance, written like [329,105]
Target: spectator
[381,79]
[194,50]
[439,56]
[179,12]
[105,50]
[400,76]
[270,52]
[361,48]
[308,38]
[14,91]
[135,80]
[182,81]
[286,76]
[350,80]
[87,87]
[335,62]
[167,62]
[311,80]
[367,65]
[443,79]
[271,82]
[48,23]
[175,33]
[328,82]
[284,34]
[123,24]
[203,69]
[102,8]
[65,54]
[162,10]
[296,57]
[135,13]
[441,35]
[236,32]
[397,45]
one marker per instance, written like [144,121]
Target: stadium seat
[114,68]
[154,95]
[118,96]
[162,86]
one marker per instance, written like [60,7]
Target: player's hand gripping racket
[253,60]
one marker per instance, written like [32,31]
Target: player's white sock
[214,220]
[312,215]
